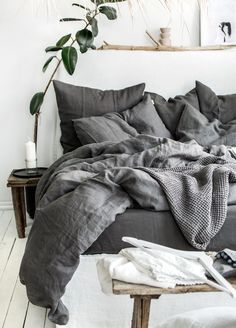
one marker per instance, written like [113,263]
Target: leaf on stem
[94,24]
[45,66]
[101,2]
[63,40]
[69,58]
[110,12]
[53,48]
[71,19]
[36,102]
[83,7]
[85,39]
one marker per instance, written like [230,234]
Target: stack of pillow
[90,115]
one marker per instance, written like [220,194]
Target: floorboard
[35,317]
[15,310]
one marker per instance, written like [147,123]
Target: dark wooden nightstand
[18,186]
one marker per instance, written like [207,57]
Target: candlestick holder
[29,172]
[31,167]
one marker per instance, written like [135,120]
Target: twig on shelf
[153,39]
[107,46]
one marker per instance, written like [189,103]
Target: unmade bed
[125,173]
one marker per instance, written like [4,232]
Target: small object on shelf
[165,36]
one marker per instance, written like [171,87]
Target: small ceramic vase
[165,36]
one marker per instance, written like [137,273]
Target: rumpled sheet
[81,194]
[158,269]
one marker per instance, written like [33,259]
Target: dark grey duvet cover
[81,194]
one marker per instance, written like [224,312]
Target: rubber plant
[65,51]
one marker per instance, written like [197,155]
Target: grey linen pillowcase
[170,111]
[110,127]
[116,127]
[144,118]
[222,107]
[75,102]
[194,125]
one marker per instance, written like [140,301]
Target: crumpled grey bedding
[81,194]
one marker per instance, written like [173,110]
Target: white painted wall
[26,28]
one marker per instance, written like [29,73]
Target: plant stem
[48,85]
[36,120]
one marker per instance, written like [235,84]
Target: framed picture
[218,22]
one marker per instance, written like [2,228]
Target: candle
[30,154]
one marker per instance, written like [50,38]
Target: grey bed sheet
[161,228]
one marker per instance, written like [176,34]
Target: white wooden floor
[15,310]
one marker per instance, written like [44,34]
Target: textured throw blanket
[81,194]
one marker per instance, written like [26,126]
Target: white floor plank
[6,245]
[15,310]
[5,218]
[18,308]
[48,323]
[35,317]
[9,278]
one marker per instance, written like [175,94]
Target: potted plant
[65,50]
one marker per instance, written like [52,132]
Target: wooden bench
[143,295]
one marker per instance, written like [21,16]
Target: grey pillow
[222,107]
[75,102]
[208,101]
[194,125]
[170,111]
[110,127]
[144,118]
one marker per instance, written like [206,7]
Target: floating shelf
[107,46]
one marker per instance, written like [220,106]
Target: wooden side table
[143,295]
[18,186]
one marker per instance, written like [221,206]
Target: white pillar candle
[30,151]
[30,154]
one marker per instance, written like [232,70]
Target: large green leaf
[53,48]
[85,39]
[110,12]
[69,58]
[63,40]
[71,19]
[100,2]
[45,66]
[83,49]
[94,24]
[36,102]
[83,7]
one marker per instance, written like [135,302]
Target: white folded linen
[159,269]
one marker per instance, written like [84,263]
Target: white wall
[26,29]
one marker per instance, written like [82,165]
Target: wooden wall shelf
[107,46]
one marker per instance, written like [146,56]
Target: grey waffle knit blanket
[81,194]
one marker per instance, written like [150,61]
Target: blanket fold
[81,194]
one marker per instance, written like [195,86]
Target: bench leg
[141,311]
[18,198]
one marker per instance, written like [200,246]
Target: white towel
[161,269]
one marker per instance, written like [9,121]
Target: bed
[131,159]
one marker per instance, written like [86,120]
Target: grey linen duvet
[82,192]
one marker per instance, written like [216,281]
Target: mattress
[161,228]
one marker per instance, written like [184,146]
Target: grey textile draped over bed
[81,194]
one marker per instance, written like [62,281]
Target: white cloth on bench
[133,265]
